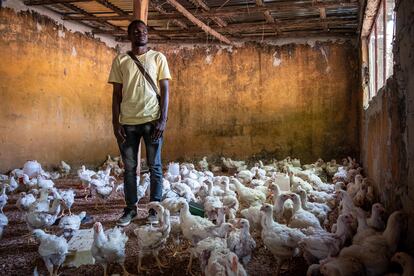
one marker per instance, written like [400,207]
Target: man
[137,111]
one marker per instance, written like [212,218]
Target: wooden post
[140,10]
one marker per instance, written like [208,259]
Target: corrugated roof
[236,19]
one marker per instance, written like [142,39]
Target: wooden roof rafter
[81,11]
[161,10]
[201,4]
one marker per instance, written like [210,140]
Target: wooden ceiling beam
[50,2]
[176,22]
[198,22]
[201,4]
[140,10]
[112,7]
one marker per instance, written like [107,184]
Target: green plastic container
[196,209]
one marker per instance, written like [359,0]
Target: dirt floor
[19,256]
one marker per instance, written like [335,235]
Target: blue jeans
[129,151]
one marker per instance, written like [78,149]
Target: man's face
[139,35]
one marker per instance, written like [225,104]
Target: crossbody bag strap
[146,75]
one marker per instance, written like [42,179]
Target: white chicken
[152,239]
[376,251]
[376,219]
[245,176]
[208,244]
[53,250]
[211,203]
[43,219]
[70,224]
[203,164]
[342,267]
[247,196]
[85,176]
[3,197]
[364,229]
[281,240]
[68,197]
[44,183]
[302,218]
[13,185]
[103,188]
[222,262]
[232,164]
[109,247]
[24,201]
[3,223]
[253,215]
[196,228]
[320,210]
[64,168]
[241,242]
[296,182]
[42,203]
[320,244]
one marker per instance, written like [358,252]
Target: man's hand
[119,133]
[158,129]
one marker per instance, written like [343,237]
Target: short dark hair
[134,23]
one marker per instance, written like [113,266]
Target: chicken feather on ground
[53,250]
[109,247]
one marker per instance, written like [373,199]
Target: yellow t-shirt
[139,100]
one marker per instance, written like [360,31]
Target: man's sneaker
[127,217]
[152,216]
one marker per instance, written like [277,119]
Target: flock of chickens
[239,210]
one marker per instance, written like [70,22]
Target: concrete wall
[387,149]
[298,100]
[55,103]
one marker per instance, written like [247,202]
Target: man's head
[138,33]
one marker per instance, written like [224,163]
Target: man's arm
[116,109]
[162,121]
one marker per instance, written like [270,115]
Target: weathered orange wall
[387,148]
[270,101]
[273,101]
[54,98]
